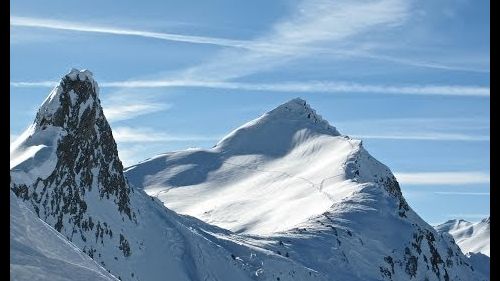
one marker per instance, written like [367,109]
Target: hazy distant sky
[410,78]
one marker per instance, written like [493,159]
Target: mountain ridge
[470,236]
[83,194]
[292,138]
[286,178]
[292,196]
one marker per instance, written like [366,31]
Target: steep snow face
[290,183]
[471,237]
[278,131]
[38,252]
[267,176]
[481,264]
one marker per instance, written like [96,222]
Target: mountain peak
[76,93]
[295,101]
[76,74]
[278,131]
[298,108]
[70,137]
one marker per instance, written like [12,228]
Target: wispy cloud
[329,87]
[317,86]
[462,193]
[57,24]
[443,178]
[422,63]
[323,20]
[129,111]
[319,27]
[82,27]
[128,104]
[430,136]
[398,124]
[312,26]
[143,135]
[473,216]
[431,129]
[131,154]
[119,105]
[313,22]
[36,84]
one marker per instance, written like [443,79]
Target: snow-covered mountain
[38,252]
[295,199]
[65,168]
[473,239]
[470,237]
[290,182]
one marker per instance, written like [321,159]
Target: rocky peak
[83,156]
[76,93]
[299,109]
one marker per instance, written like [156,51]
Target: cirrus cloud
[443,178]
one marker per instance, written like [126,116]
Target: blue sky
[410,78]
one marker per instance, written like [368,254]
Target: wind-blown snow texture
[473,239]
[290,182]
[470,237]
[307,202]
[38,252]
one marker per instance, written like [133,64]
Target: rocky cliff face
[81,191]
[86,160]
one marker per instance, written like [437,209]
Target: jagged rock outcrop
[72,177]
[65,167]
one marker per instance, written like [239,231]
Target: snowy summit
[283,197]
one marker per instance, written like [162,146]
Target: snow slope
[291,183]
[38,252]
[259,166]
[470,237]
[481,263]
[307,203]
[66,169]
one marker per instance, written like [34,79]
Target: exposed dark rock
[87,166]
[124,246]
[411,263]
